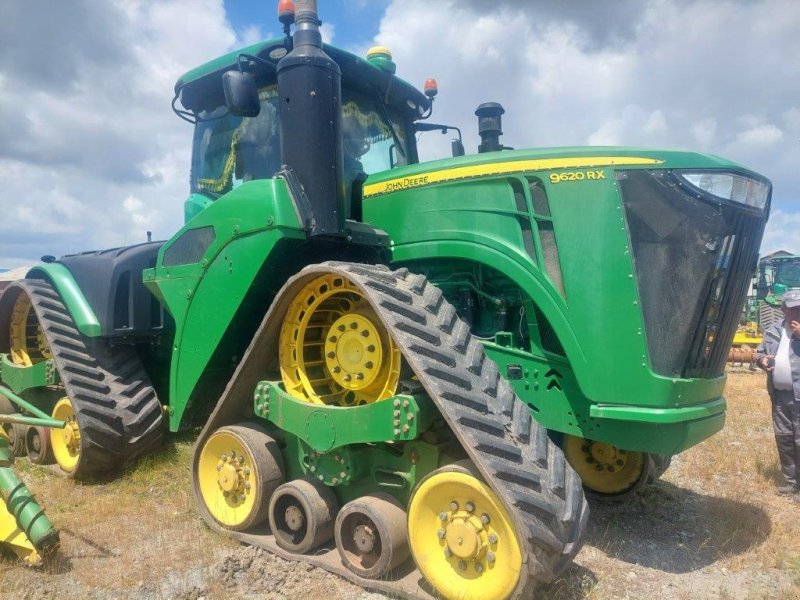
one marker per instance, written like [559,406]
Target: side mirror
[458,147]
[241,94]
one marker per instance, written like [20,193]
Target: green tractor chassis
[404,372]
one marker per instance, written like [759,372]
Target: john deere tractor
[404,372]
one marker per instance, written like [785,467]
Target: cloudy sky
[91,155]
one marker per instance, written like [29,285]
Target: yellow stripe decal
[502,168]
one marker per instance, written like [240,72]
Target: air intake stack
[310,89]
[490,126]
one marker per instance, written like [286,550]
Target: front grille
[726,295]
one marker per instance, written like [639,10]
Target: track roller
[607,472]
[461,537]
[240,467]
[371,535]
[38,446]
[14,433]
[301,515]
[66,443]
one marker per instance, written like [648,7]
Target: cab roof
[202,86]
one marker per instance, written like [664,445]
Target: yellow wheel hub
[226,478]
[462,539]
[334,349]
[604,468]
[66,442]
[28,344]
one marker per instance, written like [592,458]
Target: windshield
[230,150]
[788,273]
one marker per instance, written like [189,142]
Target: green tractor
[404,372]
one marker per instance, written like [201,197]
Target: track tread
[509,447]
[118,410]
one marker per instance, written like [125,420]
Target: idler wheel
[37,443]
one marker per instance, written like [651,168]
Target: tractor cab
[230,148]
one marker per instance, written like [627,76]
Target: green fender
[72,296]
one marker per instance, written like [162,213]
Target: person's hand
[795,325]
[766,363]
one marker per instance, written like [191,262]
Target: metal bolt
[479,567]
[337,369]
[410,416]
[347,377]
[490,557]
[396,403]
[359,376]
[470,506]
[247,485]
[396,432]
[365,333]
[341,328]
[620,463]
[354,325]
[246,472]
[492,538]
[405,403]
[443,516]
[453,505]
[369,364]
[332,339]
[440,534]
[342,474]
[312,468]
[320,477]
[485,519]
[396,414]
[462,564]
[370,348]
[406,428]
[447,552]
[397,422]
[219,467]
[331,354]
[334,481]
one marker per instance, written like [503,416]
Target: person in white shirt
[779,356]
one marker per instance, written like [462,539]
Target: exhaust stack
[310,89]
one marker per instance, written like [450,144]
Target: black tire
[117,409]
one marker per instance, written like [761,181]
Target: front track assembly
[513,468]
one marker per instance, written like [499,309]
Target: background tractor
[395,363]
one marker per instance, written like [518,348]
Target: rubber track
[118,411]
[512,451]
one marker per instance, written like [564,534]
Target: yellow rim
[604,468]
[66,442]
[334,349]
[28,344]
[462,539]
[227,478]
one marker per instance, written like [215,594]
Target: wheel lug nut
[448,553]
[492,539]
[470,506]
[368,364]
[485,519]
[442,516]
[440,534]
[337,369]
[365,333]
[353,325]
[453,505]
[620,463]
[347,378]
[462,564]
[341,328]
[370,348]
[332,339]
[359,376]
[490,557]
[479,567]
[331,354]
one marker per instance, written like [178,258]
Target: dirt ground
[711,528]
